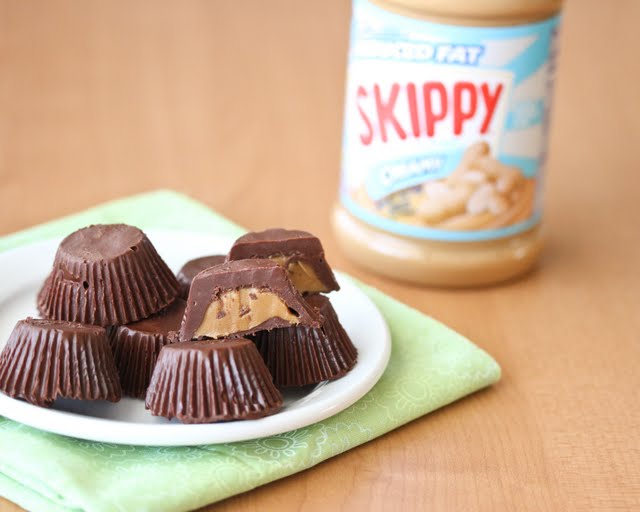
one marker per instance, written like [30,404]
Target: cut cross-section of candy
[299,252]
[242,297]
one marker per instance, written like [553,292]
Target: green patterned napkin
[430,366]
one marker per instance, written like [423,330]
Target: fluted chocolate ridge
[212,380]
[299,356]
[47,359]
[42,295]
[107,275]
[136,347]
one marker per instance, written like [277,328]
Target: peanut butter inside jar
[444,149]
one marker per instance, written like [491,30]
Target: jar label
[446,126]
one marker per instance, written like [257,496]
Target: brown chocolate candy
[299,356]
[193,267]
[107,275]
[42,295]
[242,297]
[47,359]
[212,380]
[136,347]
[299,252]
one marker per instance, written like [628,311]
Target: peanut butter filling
[302,275]
[240,310]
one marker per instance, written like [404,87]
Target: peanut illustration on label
[480,193]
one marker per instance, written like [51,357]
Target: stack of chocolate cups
[301,355]
[103,277]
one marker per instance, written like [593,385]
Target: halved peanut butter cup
[242,297]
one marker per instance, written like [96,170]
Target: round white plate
[22,272]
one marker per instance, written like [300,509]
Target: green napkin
[430,366]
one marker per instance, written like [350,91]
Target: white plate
[22,272]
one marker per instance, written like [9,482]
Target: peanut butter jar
[445,138]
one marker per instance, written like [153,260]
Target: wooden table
[239,105]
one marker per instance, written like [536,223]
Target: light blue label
[446,126]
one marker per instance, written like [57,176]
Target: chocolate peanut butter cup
[107,275]
[298,356]
[42,294]
[212,380]
[299,252]
[47,359]
[136,347]
[193,267]
[242,297]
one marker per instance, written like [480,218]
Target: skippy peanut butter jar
[445,137]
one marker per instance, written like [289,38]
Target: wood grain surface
[239,105]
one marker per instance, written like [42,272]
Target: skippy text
[428,109]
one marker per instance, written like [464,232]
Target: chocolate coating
[209,284]
[42,295]
[193,267]
[101,242]
[293,245]
[212,380]
[107,275]
[136,347]
[46,359]
[299,356]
